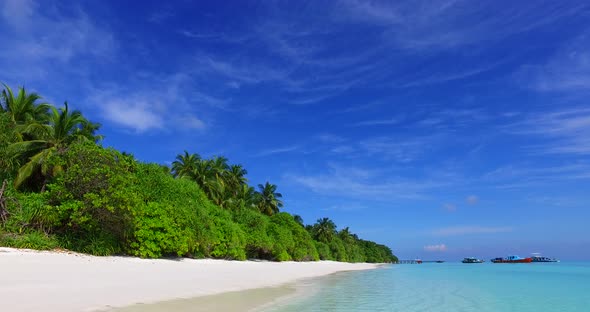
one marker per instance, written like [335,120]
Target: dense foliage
[61,189]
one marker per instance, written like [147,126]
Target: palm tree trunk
[44,185]
[3,209]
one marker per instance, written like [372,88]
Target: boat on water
[472,260]
[538,258]
[512,259]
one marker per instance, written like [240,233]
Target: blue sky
[443,129]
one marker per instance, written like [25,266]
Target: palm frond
[21,149]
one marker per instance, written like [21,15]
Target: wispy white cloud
[470,230]
[525,175]
[48,35]
[363,183]
[348,207]
[402,149]
[278,150]
[447,24]
[191,122]
[436,248]
[308,69]
[566,71]
[343,149]
[160,16]
[138,115]
[330,138]
[565,131]
[18,13]
[472,199]
[145,109]
[450,207]
[431,77]
[378,122]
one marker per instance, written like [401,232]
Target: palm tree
[324,230]
[23,108]
[298,219]
[235,178]
[269,200]
[202,174]
[219,167]
[214,181]
[185,165]
[248,196]
[216,192]
[345,235]
[63,128]
[89,129]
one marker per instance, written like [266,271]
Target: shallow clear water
[451,287]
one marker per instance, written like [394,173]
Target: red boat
[512,259]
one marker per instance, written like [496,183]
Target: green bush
[222,238]
[338,250]
[157,233]
[291,237]
[8,165]
[31,240]
[94,193]
[255,225]
[98,243]
[323,251]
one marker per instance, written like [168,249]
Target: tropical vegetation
[60,188]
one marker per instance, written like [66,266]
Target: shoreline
[65,281]
[252,300]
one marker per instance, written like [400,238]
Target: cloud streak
[146,109]
[472,200]
[566,71]
[69,37]
[470,230]
[444,24]
[377,122]
[278,150]
[436,248]
[565,131]
[361,183]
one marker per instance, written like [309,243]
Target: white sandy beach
[59,281]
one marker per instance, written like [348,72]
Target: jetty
[418,261]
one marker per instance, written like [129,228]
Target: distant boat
[512,259]
[418,261]
[538,258]
[472,260]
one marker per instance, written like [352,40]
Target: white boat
[472,260]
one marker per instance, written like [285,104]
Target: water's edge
[254,300]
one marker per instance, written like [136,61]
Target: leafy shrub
[254,224]
[94,194]
[338,250]
[282,239]
[323,251]
[98,243]
[31,240]
[291,237]
[157,233]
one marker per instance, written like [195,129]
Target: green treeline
[61,189]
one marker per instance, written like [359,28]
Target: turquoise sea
[450,287]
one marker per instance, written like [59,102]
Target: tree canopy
[61,188]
